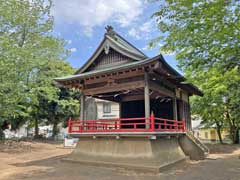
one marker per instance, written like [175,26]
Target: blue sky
[82,24]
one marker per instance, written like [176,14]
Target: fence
[151,124]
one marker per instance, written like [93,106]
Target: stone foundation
[140,153]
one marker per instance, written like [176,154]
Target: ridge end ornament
[106,48]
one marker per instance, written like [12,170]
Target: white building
[107,109]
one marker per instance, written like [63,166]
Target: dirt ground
[42,160]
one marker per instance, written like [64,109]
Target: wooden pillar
[82,106]
[147,99]
[120,109]
[181,110]
[175,116]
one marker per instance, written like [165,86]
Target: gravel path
[44,163]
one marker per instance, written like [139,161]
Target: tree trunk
[235,136]
[1,134]
[219,134]
[36,128]
[233,128]
[55,128]
[237,139]
[218,128]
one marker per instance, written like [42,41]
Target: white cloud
[147,26]
[69,41]
[73,49]
[145,48]
[134,33]
[91,13]
[142,31]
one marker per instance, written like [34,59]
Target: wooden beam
[147,99]
[132,98]
[114,76]
[175,116]
[181,110]
[162,90]
[82,101]
[114,88]
[112,99]
[159,77]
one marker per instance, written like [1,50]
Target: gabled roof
[187,86]
[109,69]
[138,59]
[116,42]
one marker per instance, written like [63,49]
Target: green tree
[219,105]
[57,106]
[50,103]
[25,46]
[30,57]
[201,33]
[205,37]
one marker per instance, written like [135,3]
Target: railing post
[165,124]
[152,121]
[175,125]
[134,126]
[94,126]
[183,125]
[119,123]
[69,125]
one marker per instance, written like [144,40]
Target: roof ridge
[120,44]
[110,32]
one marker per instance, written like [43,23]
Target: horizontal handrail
[168,120]
[151,124]
[107,120]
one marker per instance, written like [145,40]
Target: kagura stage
[153,128]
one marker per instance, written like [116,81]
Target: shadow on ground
[223,148]
[55,169]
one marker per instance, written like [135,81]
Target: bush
[2,135]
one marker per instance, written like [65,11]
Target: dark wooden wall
[132,109]
[187,116]
[111,59]
[162,109]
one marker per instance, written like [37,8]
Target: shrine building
[154,123]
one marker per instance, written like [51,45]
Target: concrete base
[138,153]
[192,147]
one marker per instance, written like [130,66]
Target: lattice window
[107,107]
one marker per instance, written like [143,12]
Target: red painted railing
[151,124]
